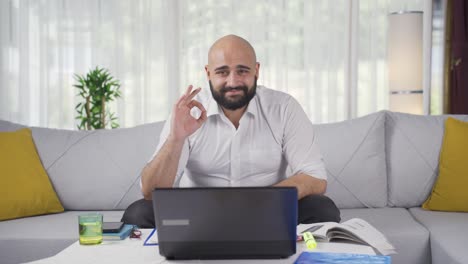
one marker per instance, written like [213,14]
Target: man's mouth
[234,92]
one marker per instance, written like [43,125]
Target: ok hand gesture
[183,123]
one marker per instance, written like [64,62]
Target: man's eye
[221,72]
[243,71]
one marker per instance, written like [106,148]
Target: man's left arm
[302,153]
[305,184]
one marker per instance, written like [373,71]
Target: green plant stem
[88,113]
[103,112]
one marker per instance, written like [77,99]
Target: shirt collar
[213,107]
[252,107]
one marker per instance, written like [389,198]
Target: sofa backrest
[354,155]
[382,159]
[95,170]
[99,170]
[412,147]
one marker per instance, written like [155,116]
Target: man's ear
[257,70]
[207,72]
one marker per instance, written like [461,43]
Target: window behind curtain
[157,48]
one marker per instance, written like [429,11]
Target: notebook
[226,223]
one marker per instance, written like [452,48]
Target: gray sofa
[381,167]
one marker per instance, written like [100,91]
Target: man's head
[232,72]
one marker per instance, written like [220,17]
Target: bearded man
[243,135]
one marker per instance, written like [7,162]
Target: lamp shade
[405,61]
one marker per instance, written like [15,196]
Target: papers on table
[152,239]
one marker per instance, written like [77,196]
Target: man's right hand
[183,123]
[162,170]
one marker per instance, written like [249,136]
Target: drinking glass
[90,228]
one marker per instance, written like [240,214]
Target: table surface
[133,251]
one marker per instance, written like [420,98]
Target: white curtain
[330,55]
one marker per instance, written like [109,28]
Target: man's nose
[232,79]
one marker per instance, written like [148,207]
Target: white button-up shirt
[274,132]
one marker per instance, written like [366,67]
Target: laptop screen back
[226,222]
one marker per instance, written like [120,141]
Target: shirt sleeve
[183,157]
[300,143]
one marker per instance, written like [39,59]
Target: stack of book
[123,233]
[355,230]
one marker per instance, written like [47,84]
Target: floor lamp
[405,61]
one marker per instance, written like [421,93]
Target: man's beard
[235,102]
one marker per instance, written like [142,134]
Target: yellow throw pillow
[450,192]
[24,184]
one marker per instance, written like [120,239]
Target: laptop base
[228,250]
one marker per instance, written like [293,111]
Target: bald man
[236,134]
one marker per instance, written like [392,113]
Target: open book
[352,231]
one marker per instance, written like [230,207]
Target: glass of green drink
[90,228]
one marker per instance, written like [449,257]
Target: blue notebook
[124,233]
[340,258]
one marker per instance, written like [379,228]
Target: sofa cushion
[42,236]
[410,238]
[413,146]
[26,188]
[354,156]
[6,126]
[95,170]
[449,192]
[99,169]
[448,234]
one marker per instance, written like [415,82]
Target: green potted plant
[96,88]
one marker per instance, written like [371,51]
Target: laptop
[226,223]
